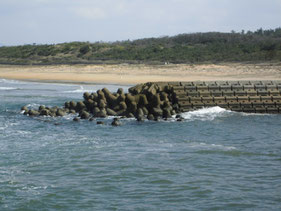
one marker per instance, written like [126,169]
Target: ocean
[213,160]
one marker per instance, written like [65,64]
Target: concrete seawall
[240,96]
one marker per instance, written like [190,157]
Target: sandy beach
[134,74]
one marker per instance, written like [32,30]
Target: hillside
[261,45]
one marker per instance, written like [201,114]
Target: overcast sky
[57,21]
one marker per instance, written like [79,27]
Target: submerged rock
[116,122]
[76,119]
[24,108]
[91,119]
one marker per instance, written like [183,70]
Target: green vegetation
[261,45]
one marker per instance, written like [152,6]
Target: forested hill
[258,46]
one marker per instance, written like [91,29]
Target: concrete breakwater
[156,100]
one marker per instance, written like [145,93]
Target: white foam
[7,88]
[33,105]
[211,146]
[206,114]
[254,114]
[81,90]
[2,80]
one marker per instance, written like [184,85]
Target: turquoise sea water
[213,160]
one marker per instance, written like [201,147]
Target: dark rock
[150,117]
[100,123]
[101,95]
[121,112]
[142,100]
[24,108]
[129,99]
[166,113]
[95,110]
[111,99]
[67,105]
[76,119]
[152,90]
[44,112]
[130,115]
[86,95]
[122,105]
[110,112]
[164,97]
[178,116]
[176,107]
[95,96]
[52,114]
[156,100]
[157,111]
[91,97]
[116,122]
[156,118]
[145,111]
[140,113]
[90,104]
[136,89]
[101,114]
[120,91]
[91,119]
[60,112]
[121,98]
[102,104]
[33,113]
[80,106]
[140,118]
[41,107]
[71,111]
[133,107]
[72,105]
[85,115]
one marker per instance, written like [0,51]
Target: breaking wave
[206,114]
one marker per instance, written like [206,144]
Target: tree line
[256,46]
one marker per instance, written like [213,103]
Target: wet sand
[134,74]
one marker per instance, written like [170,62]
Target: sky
[59,21]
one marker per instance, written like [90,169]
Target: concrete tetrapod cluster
[150,100]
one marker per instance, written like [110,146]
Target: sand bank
[133,74]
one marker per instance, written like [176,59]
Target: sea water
[213,160]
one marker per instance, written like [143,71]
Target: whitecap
[8,88]
[206,114]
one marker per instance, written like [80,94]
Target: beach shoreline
[124,74]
